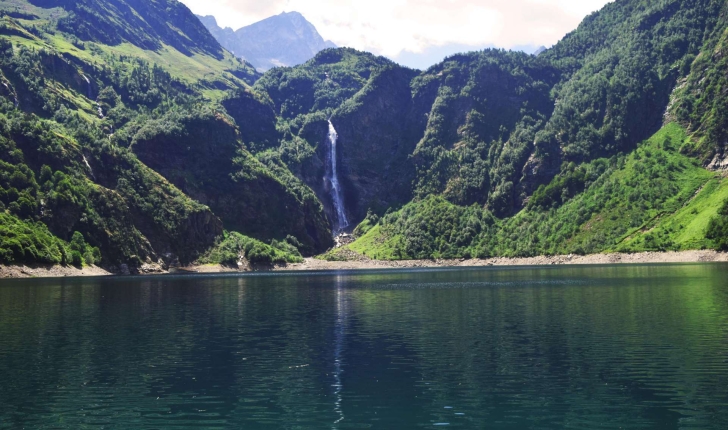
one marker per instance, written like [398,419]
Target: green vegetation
[104,93]
[524,156]
[28,242]
[369,222]
[235,247]
[83,253]
[85,93]
[199,151]
[654,199]
[651,183]
[490,127]
[486,110]
[501,124]
[368,99]
[129,136]
[700,100]
[717,229]
[322,84]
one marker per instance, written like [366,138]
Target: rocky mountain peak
[287,39]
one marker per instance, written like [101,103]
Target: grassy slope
[376,245]
[653,199]
[189,69]
[639,200]
[686,227]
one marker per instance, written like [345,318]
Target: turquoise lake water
[604,347]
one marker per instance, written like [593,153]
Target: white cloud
[393,27]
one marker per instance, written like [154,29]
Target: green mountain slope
[483,110]
[146,24]
[490,127]
[571,180]
[654,199]
[700,101]
[101,101]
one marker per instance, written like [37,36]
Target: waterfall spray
[336,195]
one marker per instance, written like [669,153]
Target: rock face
[377,133]
[286,40]
[225,36]
[203,156]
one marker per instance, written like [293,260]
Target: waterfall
[13,92]
[89,89]
[336,195]
[90,95]
[89,166]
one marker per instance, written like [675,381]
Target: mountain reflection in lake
[636,347]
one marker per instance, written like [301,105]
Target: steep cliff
[369,101]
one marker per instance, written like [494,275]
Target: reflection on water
[642,347]
[341,316]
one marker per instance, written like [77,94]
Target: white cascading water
[336,196]
[89,166]
[14,93]
[89,89]
[90,95]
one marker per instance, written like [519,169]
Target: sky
[417,33]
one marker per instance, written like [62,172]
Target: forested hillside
[116,133]
[129,136]
[521,173]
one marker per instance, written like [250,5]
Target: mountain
[284,40]
[539,51]
[130,138]
[105,104]
[608,141]
[225,36]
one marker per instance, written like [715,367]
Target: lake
[630,347]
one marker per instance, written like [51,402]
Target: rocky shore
[362,263]
[41,271]
[640,258]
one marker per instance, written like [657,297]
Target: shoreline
[362,263]
[703,256]
[47,271]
